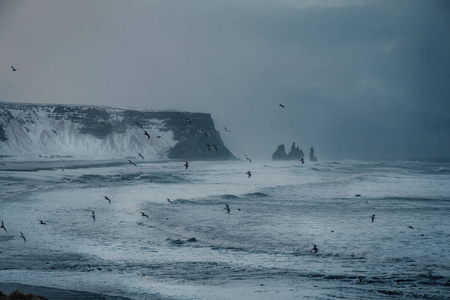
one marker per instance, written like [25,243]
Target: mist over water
[193,248]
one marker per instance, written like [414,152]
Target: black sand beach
[54,294]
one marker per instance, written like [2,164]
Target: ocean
[326,230]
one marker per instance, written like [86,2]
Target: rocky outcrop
[295,154]
[312,157]
[74,130]
[280,154]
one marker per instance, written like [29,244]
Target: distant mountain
[98,132]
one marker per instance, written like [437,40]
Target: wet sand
[54,294]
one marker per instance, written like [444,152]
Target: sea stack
[312,157]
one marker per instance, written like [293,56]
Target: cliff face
[69,130]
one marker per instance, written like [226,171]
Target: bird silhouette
[189,121]
[146,134]
[55,131]
[103,123]
[249,174]
[302,160]
[42,222]
[141,155]
[373,218]
[23,237]
[209,147]
[3,226]
[227,208]
[186,165]
[109,200]
[139,124]
[93,216]
[62,168]
[246,157]
[358,195]
[215,147]
[14,69]
[168,200]
[132,163]
[226,130]
[314,249]
[281,105]
[144,215]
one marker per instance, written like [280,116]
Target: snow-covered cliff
[98,132]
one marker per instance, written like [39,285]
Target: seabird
[158,136]
[55,131]
[62,168]
[302,160]
[281,105]
[314,249]
[146,133]
[358,195]
[249,174]
[42,222]
[103,123]
[168,200]
[246,157]
[373,218]
[141,155]
[144,215]
[132,163]
[209,147]
[227,208]
[3,164]
[411,227]
[139,124]
[14,69]
[226,130]
[186,165]
[22,236]
[3,226]
[188,120]
[215,147]
[93,216]
[109,200]
[204,132]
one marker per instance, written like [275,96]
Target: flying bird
[55,131]
[186,165]
[314,249]
[358,195]
[410,227]
[226,130]
[132,163]
[146,133]
[168,200]
[215,147]
[22,236]
[249,174]
[93,216]
[189,121]
[209,148]
[139,124]
[141,155]
[227,208]
[42,222]
[246,157]
[14,69]
[281,105]
[109,200]
[373,218]
[103,123]
[302,160]
[158,136]
[3,226]
[144,215]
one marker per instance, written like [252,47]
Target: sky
[358,79]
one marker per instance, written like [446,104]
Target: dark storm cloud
[358,78]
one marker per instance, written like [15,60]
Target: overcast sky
[357,78]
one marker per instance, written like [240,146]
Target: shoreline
[55,293]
